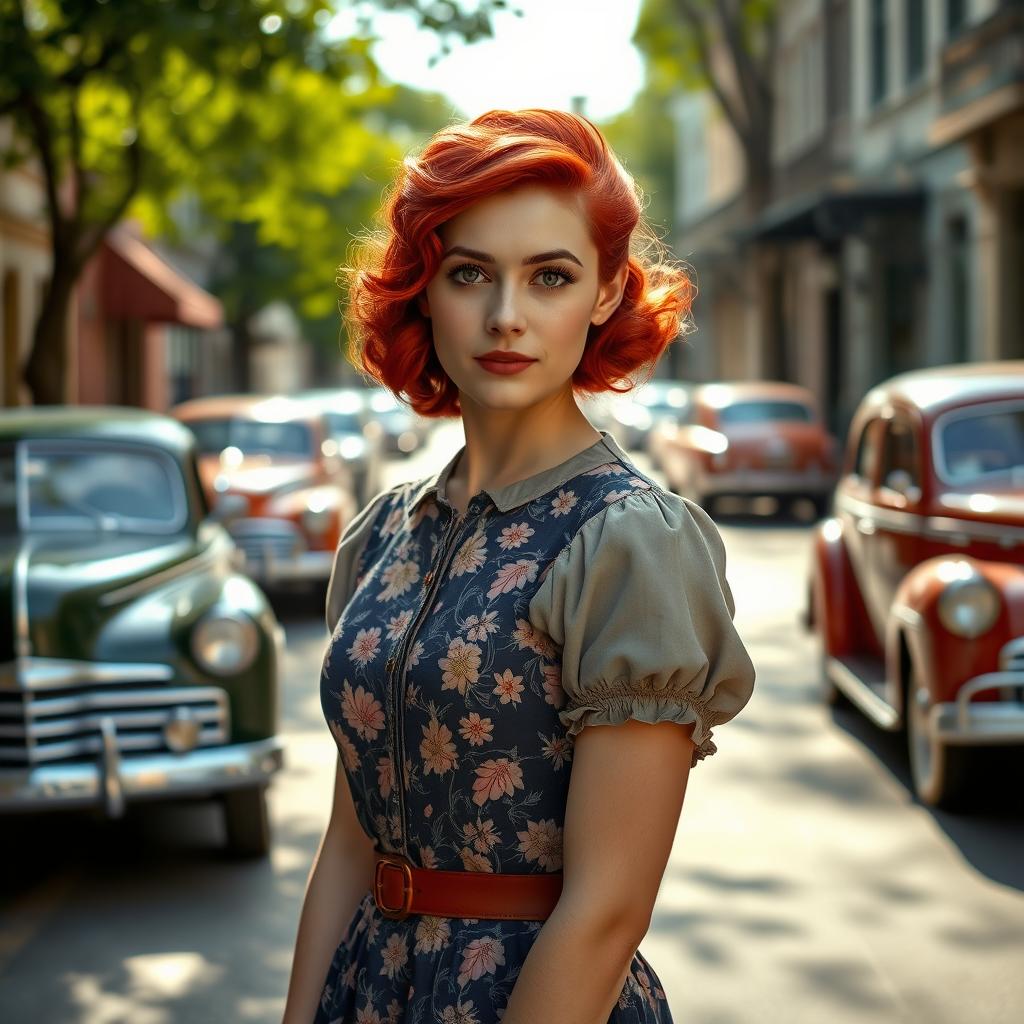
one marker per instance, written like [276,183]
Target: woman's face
[519,277]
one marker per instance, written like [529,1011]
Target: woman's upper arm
[344,822]
[625,796]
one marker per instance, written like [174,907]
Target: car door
[855,507]
[895,545]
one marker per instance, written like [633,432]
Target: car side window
[901,464]
[867,452]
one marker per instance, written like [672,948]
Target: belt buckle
[396,861]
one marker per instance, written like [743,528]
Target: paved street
[805,884]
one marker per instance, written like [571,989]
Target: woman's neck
[506,446]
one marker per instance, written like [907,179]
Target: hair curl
[391,340]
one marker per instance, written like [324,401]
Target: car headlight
[970,605]
[225,643]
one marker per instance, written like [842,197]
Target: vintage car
[274,462]
[138,664]
[748,439]
[393,426]
[917,581]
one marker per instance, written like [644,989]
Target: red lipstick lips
[504,362]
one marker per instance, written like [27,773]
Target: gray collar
[522,491]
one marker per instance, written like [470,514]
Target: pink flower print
[428,510]
[436,749]
[460,1013]
[385,776]
[512,577]
[349,755]
[398,624]
[553,692]
[526,635]
[399,576]
[476,730]
[432,934]
[515,536]
[348,979]
[474,861]
[362,711]
[461,666]
[615,495]
[395,1010]
[482,835]
[542,842]
[480,957]
[563,504]
[471,555]
[606,469]
[365,646]
[479,626]
[509,687]
[372,930]
[368,1015]
[392,523]
[495,777]
[428,810]
[395,954]
[428,858]
[559,749]
[414,654]
[637,482]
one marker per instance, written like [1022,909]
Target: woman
[529,649]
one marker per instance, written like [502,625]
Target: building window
[879,51]
[914,35]
[956,16]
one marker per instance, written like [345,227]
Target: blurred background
[182,443]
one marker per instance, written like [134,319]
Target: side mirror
[229,507]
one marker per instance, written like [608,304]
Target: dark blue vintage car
[136,661]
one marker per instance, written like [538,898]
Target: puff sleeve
[640,604]
[346,558]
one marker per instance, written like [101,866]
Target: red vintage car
[274,462]
[917,583]
[748,439]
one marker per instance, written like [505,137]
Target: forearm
[340,877]
[572,946]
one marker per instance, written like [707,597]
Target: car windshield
[92,486]
[984,445]
[252,437]
[343,423]
[764,412]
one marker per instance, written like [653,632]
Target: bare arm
[341,875]
[625,796]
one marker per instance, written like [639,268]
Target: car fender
[838,611]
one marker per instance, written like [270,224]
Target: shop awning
[828,215]
[137,284]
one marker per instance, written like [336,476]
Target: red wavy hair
[391,340]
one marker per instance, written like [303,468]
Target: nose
[505,315]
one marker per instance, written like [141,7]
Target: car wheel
[822,505]
[247,821]
[940,771]
[831,695]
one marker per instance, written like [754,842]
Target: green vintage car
[136,661]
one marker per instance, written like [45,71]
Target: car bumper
[965,721]
[113,780]
[758,482]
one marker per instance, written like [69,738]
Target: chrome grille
[65,723]
[1011,657]
[260,538]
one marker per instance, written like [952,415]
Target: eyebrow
[541,257]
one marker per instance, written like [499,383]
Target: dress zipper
[398,667]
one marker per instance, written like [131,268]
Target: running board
[867,693]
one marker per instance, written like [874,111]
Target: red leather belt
[400,889]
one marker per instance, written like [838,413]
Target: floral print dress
[466,654]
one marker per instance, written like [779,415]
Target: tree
[247,103]
[728,47]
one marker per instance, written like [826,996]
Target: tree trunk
[47,365]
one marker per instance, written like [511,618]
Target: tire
[247,821]
[831,695]
[941,773]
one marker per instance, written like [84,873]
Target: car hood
[255,476]
[70,584]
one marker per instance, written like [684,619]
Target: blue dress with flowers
[466,654]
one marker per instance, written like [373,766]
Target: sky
[559,49]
